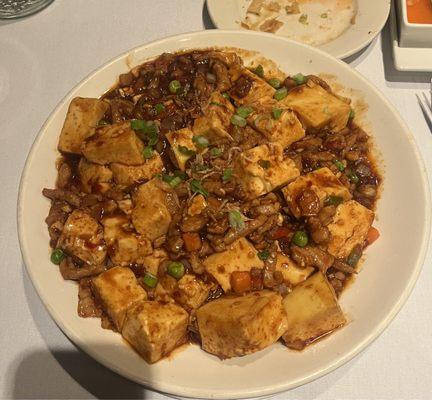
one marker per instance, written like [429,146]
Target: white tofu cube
[124,246]
[182,146]
[150,215]
[284,130]
[128,175]
[216,119]
[349,228]
[292,273]
[155,329]
[117,289]
[317,107]
[240,325]
[82,237]
[312,311]
[93,176]
[263,169]
[81,119]
[116,143]
[240,256]
[321,181]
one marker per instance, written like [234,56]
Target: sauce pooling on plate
[419,11]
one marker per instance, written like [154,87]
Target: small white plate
[408,58]
[371,18]
[391,268]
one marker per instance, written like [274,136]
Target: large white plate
[371,17]
[389,273]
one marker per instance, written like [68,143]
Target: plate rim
[199,393]
[340,56]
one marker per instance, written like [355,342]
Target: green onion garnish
[339,165]
[174,86]
[237,120]
[259,70]
[263,255]
[281,93]
[236,220]
[159,108]
[275,83]
[227,174]
[187,152]
[201,141]
[276,113]
[244,111]
[148,152]
[196,187]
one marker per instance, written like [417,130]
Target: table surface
[41,58]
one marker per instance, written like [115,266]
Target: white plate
[408,58]
[388,275]
[371,17]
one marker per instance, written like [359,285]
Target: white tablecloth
[41,59]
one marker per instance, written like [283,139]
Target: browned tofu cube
[216,119]
[312,311]
[117,289]
[317,107]
[258,88]
[126,247]
[155,329]
[182,146]
[349,228]
[291,272]
[263,169]
[116,143]
[239,256]
[94,176]
[189,291]
[82,237]
[238,325]
[128,175]
[322,182]
[284,130]
[150,215]
[81,119]
[152,261]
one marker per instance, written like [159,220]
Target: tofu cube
[82,237]
[124,246]
[263,169]
[259,89]
[117,289]
[152,261]
[240,325]
[312,311]
[292,273]
[182,146]
[81,119]
[116,143]
[317,107]
[285,130]
[240,256]
[349,228]
[128,175]
[215,122]
[93,176]
[322,181]
[155,329]
[189,291]
[150,215]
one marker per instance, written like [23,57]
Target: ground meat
[308,203]
[87,305]
[319,233]
[312,256]
[70,270]
[241,87]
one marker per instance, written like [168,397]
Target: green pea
[300,238]
[174,86]
[150,280]
[259,70]
[57,256]
[176,269]
[299,78]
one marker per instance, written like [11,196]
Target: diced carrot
[241,281]
[281,232]
[192,241]
[372,235]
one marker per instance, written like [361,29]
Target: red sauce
[419,11]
